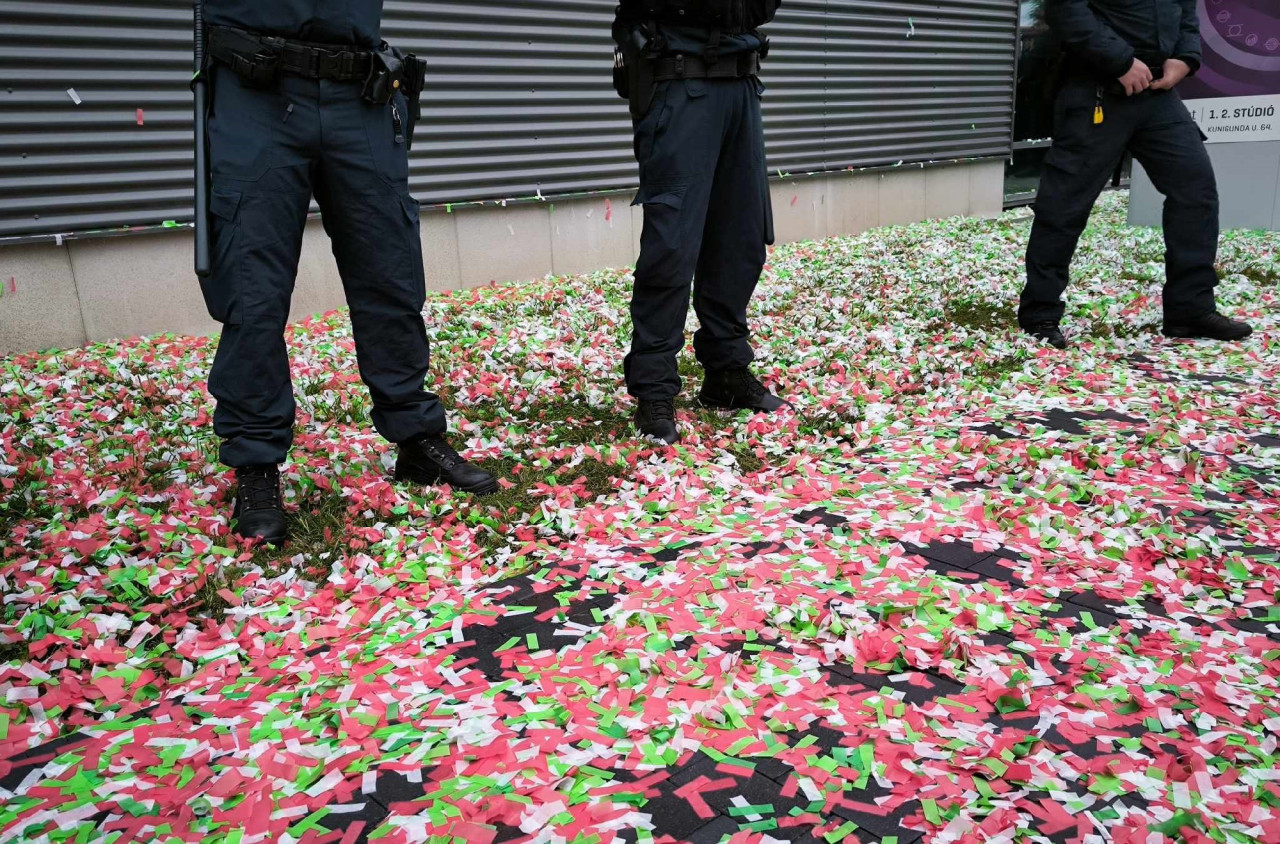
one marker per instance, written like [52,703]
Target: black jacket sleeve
[1188,48]
[1089,39]
[761,12]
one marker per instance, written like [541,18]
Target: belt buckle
[680,65]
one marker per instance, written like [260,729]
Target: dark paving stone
[751,550]
[1267,441]
[1258,628]
[966,486]
[995,639]
[957,553]
[670,555]
[50,750]
[1074,612]
[508,833]
[699,765]
[927,687]
[774,769]
[993,430]
[957,573]
[827,738]
[879,825]
[394,787]
[1211,378]
[673,816]
[820,516]
[845,677]
[998,569]
[757,790]
[801,834]
[714,832]
[1092,601]
[482,644]
[372,815]
[37,757]
[582,613]
[1068,421]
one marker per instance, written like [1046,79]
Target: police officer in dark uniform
[690,69]
[308,101]
[1123,61]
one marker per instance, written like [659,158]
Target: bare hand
[1138,79]
[1175,70]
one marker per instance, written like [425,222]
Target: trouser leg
[1083,157]
[258,208]
[1170,148]
[735,234]
[362,186]
[678,146]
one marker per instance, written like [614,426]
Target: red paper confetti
[971,590]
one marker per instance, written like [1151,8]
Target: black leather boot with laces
[656,420]
[738,389]
[432,460]
[1210,326]
[258,512]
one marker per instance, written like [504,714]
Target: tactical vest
[730,16]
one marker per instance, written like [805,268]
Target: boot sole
[1191,334]
[403,476]
[711,404]
[656,440]
[276,541]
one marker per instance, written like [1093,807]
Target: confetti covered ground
[972,590]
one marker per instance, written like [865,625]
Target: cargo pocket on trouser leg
[222,287]
[769,236]
[417,272]
[662,240]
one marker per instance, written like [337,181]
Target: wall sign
[1236,95]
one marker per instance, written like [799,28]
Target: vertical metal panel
[519,100]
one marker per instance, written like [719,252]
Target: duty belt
[263,57]
[692,67]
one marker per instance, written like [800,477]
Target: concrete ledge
[102,289]
[44,313]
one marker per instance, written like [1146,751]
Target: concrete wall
[94,290]
[1248,185]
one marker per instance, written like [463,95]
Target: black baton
[200,87]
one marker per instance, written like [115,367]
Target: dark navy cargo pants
[271,150]
[1157,128]
[707,214]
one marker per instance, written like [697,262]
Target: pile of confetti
[971,590]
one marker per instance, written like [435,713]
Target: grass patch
[212,605]
[748,462]
[19,652]
[24,504]
[977,315]
[600,475]
[999,370]
[1258,275]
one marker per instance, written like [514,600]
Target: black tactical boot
[657,420]
[432,460]
[1047,332]
[258,513]
[1211,326]
[738,389]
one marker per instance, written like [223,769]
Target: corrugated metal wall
[519,99]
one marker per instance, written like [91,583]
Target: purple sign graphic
[1241,50]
